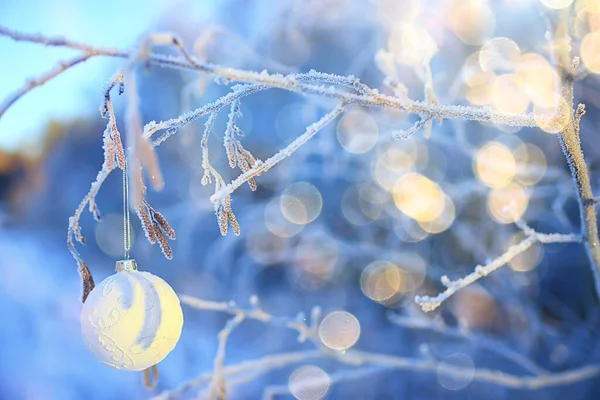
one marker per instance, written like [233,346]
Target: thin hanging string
[126,217]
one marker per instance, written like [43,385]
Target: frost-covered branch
[248,370]
[366,96]
[154,224]
[263,166]
[252,368]
[348,91]
[428,303]
[298,324]
[114,156]
[570,143]
[170,126]
[218,386]
[571,146]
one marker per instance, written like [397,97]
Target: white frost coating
[132,320]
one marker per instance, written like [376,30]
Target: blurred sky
[109,23]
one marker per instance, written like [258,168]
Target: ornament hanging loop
[126,216]
[126,265]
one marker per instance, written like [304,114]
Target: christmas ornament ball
[132,320]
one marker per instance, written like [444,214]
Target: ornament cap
[126,265]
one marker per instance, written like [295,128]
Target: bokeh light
[351,208]
[277,222]
[363,203]
[507,203]
[479,95]
[456,380]
[411,44]
[357,132]
[472,72]
[472,21]
[409,230]
[499,54]
[383,282]
[474,308]
[531,164]
[442,221]
[415,266]
[394,162]
[591,6]
[495,165]
[507,95]
[301,203]
[339,330]
[590,51]
[537,79]
[370,221]
[371,200]
[309,382]
[419,197]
